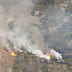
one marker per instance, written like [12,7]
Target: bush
[17,66]
[23,69]
[45,70]
[48,69]
[70,67]
[15,71]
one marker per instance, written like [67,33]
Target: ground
[27,62]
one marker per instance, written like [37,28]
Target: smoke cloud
[56,54]
[18,28]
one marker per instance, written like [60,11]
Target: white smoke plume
[18,28]
[56,54]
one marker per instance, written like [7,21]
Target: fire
[13,54]
[10,52]
[49,56]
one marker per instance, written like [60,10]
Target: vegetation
[70,68]
[17,66]
[45,69]
[69,7]
[31,63]
[15,71]
[64,67]
[67,34]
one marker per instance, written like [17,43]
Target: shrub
[16,66]
[45,69]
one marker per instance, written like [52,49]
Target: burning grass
[13,54]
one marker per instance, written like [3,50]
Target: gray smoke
[18,28]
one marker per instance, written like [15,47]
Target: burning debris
[13,54]
[48,55]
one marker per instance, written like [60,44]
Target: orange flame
[48,55]
[13,54]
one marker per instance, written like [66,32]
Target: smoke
[18,28]
[56,54]
[40,54]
